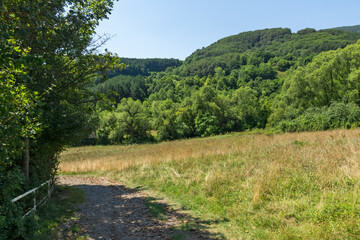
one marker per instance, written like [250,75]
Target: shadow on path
[113,211]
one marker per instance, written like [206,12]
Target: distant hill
[130,82]
[355,29]
[279,46]
[255,55]
[144,67]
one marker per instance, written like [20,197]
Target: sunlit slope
[278,46]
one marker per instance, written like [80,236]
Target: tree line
[144,67]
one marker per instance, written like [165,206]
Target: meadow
[248,185]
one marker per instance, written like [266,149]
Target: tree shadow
[118,212]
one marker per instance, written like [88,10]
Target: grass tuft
[155,208]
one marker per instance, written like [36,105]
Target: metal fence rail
[50,184]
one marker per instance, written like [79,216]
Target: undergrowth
[57,210]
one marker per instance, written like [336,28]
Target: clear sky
[176,28]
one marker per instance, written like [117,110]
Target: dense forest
[279,47]
[270,78]
[130,82]
[144,67]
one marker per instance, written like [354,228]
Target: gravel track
[112,211]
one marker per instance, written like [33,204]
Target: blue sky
[176,28]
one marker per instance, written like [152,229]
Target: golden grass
[115,158]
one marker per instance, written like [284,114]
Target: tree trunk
[26,159]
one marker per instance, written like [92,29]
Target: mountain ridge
[355,28]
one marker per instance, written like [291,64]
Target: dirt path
[112,211]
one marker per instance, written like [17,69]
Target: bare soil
[113,211]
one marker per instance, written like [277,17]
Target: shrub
[337,115]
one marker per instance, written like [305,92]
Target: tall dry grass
[114,158]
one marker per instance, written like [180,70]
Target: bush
[11,224]
[206,125]
[337,115]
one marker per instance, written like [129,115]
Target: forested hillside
[281,48]
[144,67]
[130,82]
[236,84]
[355,29]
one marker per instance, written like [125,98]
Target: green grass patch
[155,208]
[59,208]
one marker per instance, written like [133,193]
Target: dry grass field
[119,157]
[254,186]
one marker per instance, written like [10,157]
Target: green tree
[331,77]
[246,107]
[63,63]
[48,61]
[105,132]
[17,122]
[133,123]
[186,117]
[213,112]
[164,119]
